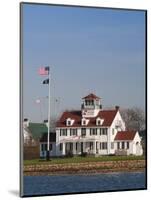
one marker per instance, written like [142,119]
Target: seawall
[85,168]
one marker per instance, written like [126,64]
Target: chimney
[117,107]
[26,122]
[46,122]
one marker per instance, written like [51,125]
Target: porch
[79,147]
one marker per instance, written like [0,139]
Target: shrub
[84,154]
[69,154]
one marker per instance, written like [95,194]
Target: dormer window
[99,121]
[69,122]
[84,122]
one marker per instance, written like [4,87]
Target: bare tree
[134,118]
[53,122]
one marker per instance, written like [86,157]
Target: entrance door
[81,147]
[137,148]
[69,148]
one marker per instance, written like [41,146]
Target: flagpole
[48,146]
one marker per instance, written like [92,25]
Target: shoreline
[85,168]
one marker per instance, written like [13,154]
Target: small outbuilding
[128,143]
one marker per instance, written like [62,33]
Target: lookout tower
[91,105]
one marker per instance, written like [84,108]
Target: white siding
[51,153]
[109,138]
[113,126]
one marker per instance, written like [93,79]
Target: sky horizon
[89,50]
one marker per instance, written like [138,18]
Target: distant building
[33,132]
[52,144]
[95,131]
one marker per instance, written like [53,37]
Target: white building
[26,133]
[93,130]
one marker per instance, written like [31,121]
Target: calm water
[58,184]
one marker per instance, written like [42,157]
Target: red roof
[107,115]
[91,97]
[125,135]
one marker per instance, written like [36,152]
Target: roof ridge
[36,122]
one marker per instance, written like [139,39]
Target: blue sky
[89,50]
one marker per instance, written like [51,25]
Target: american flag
[43,71]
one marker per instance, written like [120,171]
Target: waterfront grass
[79,159]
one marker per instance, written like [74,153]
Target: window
[81,146]
[45,147]
[42,147]
[50,147]
[83,131]
[84,122]
[112,145]
[98,122]
[112,131]
[103,131]
[91,145]
[89,102]
[118,145]
[93,131]
[76,146]
[61,146]
[63,132]
[127,145]
[68,123]
[71,146]
[73,132]
[103,145]
[123,145]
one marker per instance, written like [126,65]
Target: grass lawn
[79,159]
